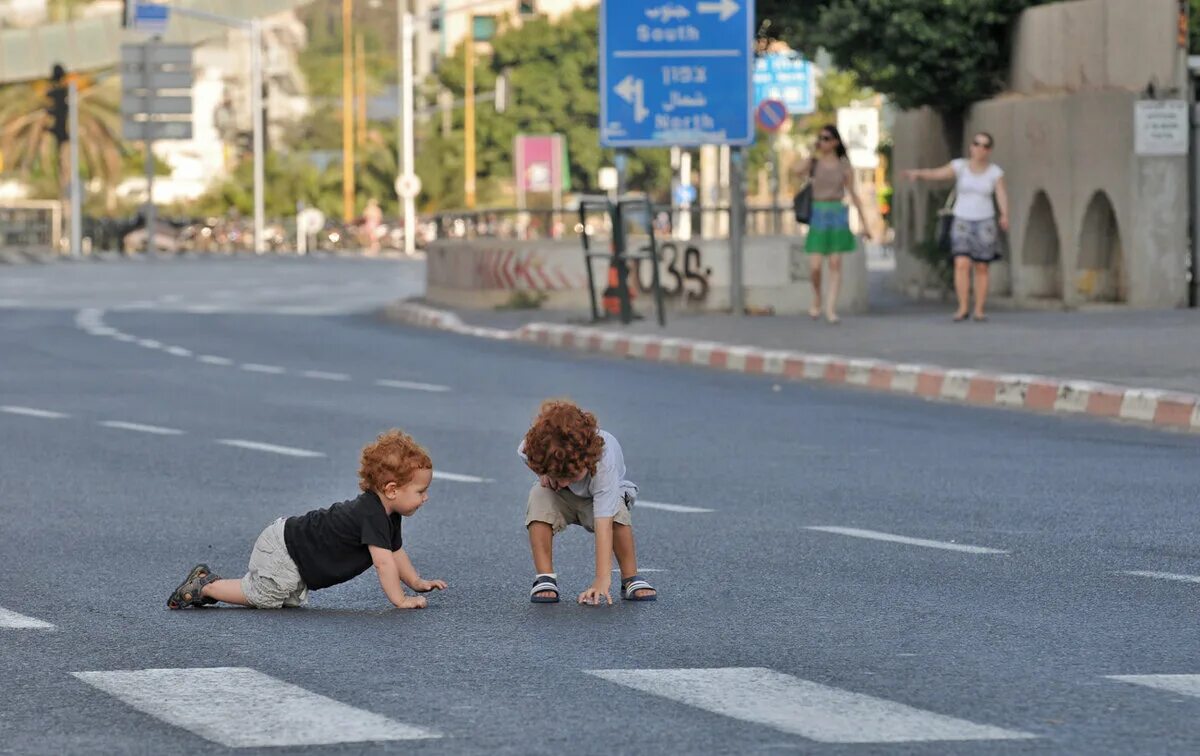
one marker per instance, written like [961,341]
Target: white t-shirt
[608,487]
[976,191]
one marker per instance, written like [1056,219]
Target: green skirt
[829,230]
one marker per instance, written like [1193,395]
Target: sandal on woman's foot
[980,318]
[961,318]
[815,313]
[190,591]
[631,585]
[544,584]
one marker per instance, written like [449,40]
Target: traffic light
[57,104]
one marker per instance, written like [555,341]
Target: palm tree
[26,138]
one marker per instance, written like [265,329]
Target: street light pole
[407,149]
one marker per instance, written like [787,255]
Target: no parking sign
[771,115]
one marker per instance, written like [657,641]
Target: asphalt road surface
[840,571]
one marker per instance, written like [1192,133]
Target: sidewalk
[1133,365]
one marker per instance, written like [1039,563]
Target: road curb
[1151,407]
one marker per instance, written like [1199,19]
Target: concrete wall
[489,273]
[1091,221]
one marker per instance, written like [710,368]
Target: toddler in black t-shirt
[329,546]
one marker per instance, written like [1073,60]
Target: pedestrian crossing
[240,707]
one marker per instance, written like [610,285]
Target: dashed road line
[1188,685]
[240,707]
[289,451]
[254,367]
[801,707]
[140,428]
[1163,575]
[892,538]
[178,351]
[11,619]
[321,375]
[150,343]
[211,359]
[671,507]
[459,478]
[33,412]
[412,385]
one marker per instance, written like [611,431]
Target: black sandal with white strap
[543,584]
[631,585]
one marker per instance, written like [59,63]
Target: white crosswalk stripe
[1188,685]
[16,621]
[875,535]
[240,707]
[815,711]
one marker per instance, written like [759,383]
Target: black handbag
[802,203]
[945,220]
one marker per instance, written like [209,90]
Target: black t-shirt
[330,545]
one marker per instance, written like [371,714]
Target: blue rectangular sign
[784,77]
[151,18]
[676,72]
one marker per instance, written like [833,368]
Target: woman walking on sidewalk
[974,238]
[829,235]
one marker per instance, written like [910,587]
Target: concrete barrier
[695,275]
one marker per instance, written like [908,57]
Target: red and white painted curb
[1164,409]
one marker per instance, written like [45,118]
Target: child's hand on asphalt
[425,586]
[599,588]
[413,602]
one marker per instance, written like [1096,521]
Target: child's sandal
[543,584]
[631,585]
[190,591]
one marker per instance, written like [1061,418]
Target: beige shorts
[561,508]
[273,581]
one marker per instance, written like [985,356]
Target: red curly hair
[564,441]
[393,458]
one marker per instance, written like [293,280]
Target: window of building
[527,7]
[484,28]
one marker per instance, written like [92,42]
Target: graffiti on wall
[681,272]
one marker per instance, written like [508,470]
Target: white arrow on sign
[727,8]
[633,91]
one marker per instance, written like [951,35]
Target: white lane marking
[124,337]
[289,451]
[877,536]
[458,478]
[412,386]
[641,569]
[1188,685]
[209,359]
[102,331]
[21,622]
[1163,575]
[179,351]
[138,427]
[670,507]
[321,375]
[815,711]
[244,708]
[33,412]
[149,343]
[254,367]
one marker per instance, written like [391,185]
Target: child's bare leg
[626,552]
[229,591]
[541,544]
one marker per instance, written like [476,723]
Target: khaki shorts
[561,508]
[273,581]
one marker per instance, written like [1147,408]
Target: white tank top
[976,191]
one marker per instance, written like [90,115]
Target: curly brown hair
[391,458]
[564,441]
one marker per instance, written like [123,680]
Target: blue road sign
[151,18]
[676,72]
[771,114]
[780,76]
[683,194]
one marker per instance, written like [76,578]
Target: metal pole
[407,126]
[776,221]
[151,220]
[469,117]
[256,113]
[76,188]
[737,216]
[347,113]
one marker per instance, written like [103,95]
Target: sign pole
[737,217]
[148,72]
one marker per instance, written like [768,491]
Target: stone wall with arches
[1091,221]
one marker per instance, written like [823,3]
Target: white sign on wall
[859,128]
[1160,128]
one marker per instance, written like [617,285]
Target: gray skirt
[978,240]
